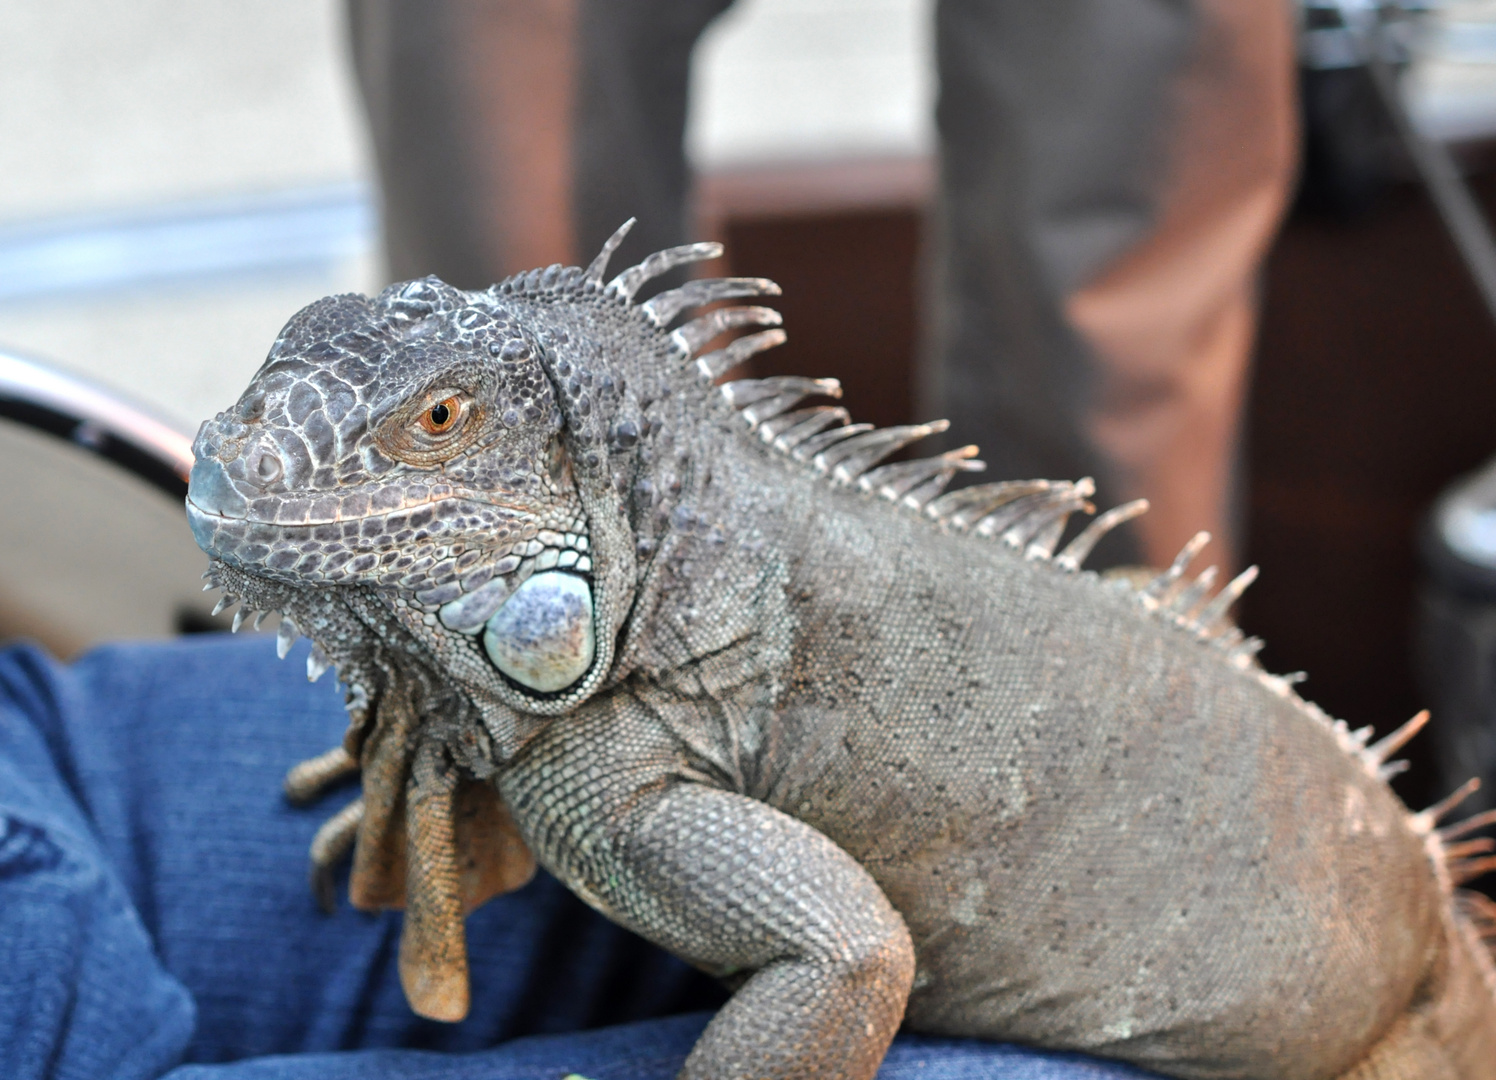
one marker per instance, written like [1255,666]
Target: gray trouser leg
[515,133]
[631,122]
[469,105]
[1084,177]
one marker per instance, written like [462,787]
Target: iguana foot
[329,847]
[312,777]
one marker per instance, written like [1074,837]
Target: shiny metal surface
[94,544]
[42,397]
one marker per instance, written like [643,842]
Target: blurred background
[177,177]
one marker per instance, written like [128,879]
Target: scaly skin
[871,752]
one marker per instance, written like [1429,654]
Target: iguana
[866,748]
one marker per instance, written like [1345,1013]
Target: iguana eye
[442,417]
[431,429]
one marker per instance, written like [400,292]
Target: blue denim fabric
[155,917]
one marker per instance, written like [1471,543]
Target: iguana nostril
[268,469]
[252,406]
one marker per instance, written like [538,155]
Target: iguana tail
[1449,1029]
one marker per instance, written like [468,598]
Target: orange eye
[442,417]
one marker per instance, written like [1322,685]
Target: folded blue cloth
[155,918]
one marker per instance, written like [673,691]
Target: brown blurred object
[1375,386]
[469,104]
[1174,319]
[842,240]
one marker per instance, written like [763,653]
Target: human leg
[149,778]
[510,135]
[1111,176]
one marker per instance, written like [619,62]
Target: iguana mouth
[437,575]
[393,535]
[212,493]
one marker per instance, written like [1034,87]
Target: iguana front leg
[728,884]
[732,885]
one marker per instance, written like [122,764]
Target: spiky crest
[663,309]
[691,337]
[599,265]
[1382,750]
[1469,825]
[1427,819]
[627,284]
[1079,549]
[1463,860]
[1029,516]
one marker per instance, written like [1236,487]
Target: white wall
[779,80]
[111,107]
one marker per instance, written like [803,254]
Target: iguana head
[411,445]
[466,459]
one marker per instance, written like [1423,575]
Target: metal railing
[39,396]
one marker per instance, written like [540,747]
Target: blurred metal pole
[1446,187]
[1436,167]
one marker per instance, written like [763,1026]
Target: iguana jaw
[527,604]
[354,547]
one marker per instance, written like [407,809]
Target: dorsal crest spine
[1027,516]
